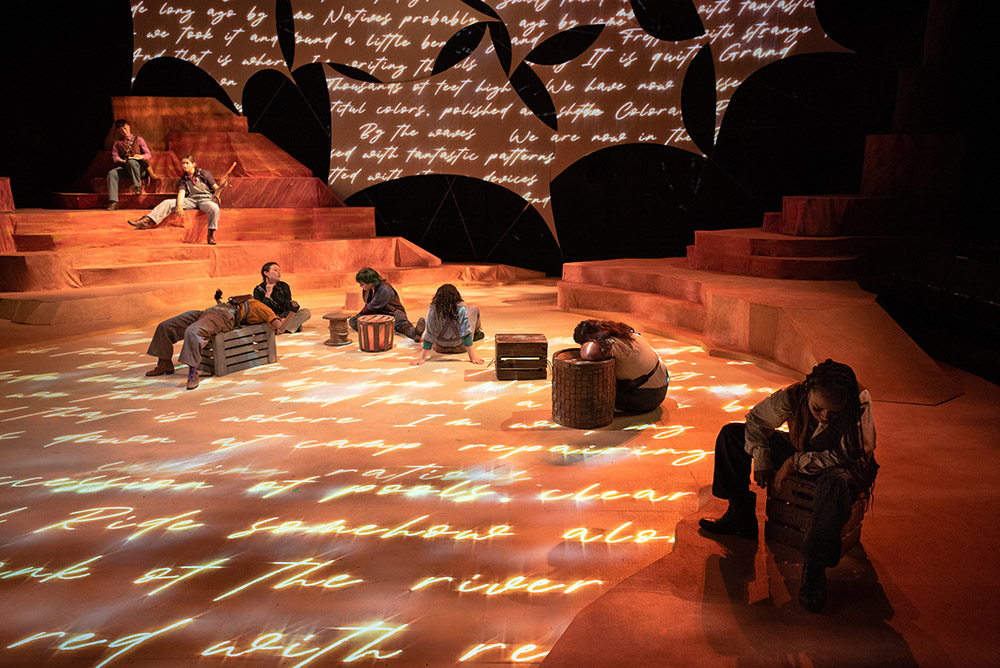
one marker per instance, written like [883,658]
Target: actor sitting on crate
[831,435]
[197,327]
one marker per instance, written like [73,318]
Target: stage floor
[345,507]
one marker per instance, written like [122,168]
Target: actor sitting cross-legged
[131,156]
[831,435]
[197,327]
[641,379]
[451,326]
[277,296]
[196,190]
[382,298]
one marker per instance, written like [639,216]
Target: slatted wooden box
[521,356]
[789,510]
[238,349]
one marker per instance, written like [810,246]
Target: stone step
[857,215]
[637,275]
[244,193]
[680,313]
[61,230]
[757,241]
[142,272]
[53,270]
[793,324]
[799,268]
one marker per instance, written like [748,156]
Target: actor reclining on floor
[196,190]
[277,296]
[382,298]
[831,436]
[197,327]
[131,156]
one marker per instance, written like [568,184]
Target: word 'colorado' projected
[202,535]
[393,114]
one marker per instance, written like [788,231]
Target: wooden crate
[789,510]
[238,349]
[521,356]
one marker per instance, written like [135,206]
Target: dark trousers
[835,490]
[640,400]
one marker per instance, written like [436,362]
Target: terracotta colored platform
[795,324]
[264,176]
[887,228]
[84,429]
[769,254]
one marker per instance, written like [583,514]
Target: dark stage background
[795,126]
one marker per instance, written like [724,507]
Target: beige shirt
[636,359]
[775,411]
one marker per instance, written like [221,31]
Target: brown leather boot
[162,367]
[193,379]
[143,223]
[211,237]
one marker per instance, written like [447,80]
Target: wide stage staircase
[785,292]
[79,263]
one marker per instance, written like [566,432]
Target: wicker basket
[583,391]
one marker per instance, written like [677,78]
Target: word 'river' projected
[335,507]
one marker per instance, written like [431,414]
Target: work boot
[163,367]
[211,237]
[812,593]
[740,519]
[143,223]
[420,326]
[193,379]
[112,206]
[479,335]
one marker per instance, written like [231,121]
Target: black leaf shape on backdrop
[284,21]
[532,92]
[173,77]
[480,6]
[669,20]
[311,80]
[565,46]
[285,111]
[501,44]
[698,100]
[459,46]
[464,219]
[354,73]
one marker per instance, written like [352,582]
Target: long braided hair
[445,301]
[838,382]
[601,332]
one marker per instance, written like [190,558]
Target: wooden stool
[521,356]
[583,391]
[238,349]
[789,511]
[375,333]
[338,329]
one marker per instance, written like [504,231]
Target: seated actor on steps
[277,296]
[831,435]
[382,298]
[196,190]
[197,327]
[131,156]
